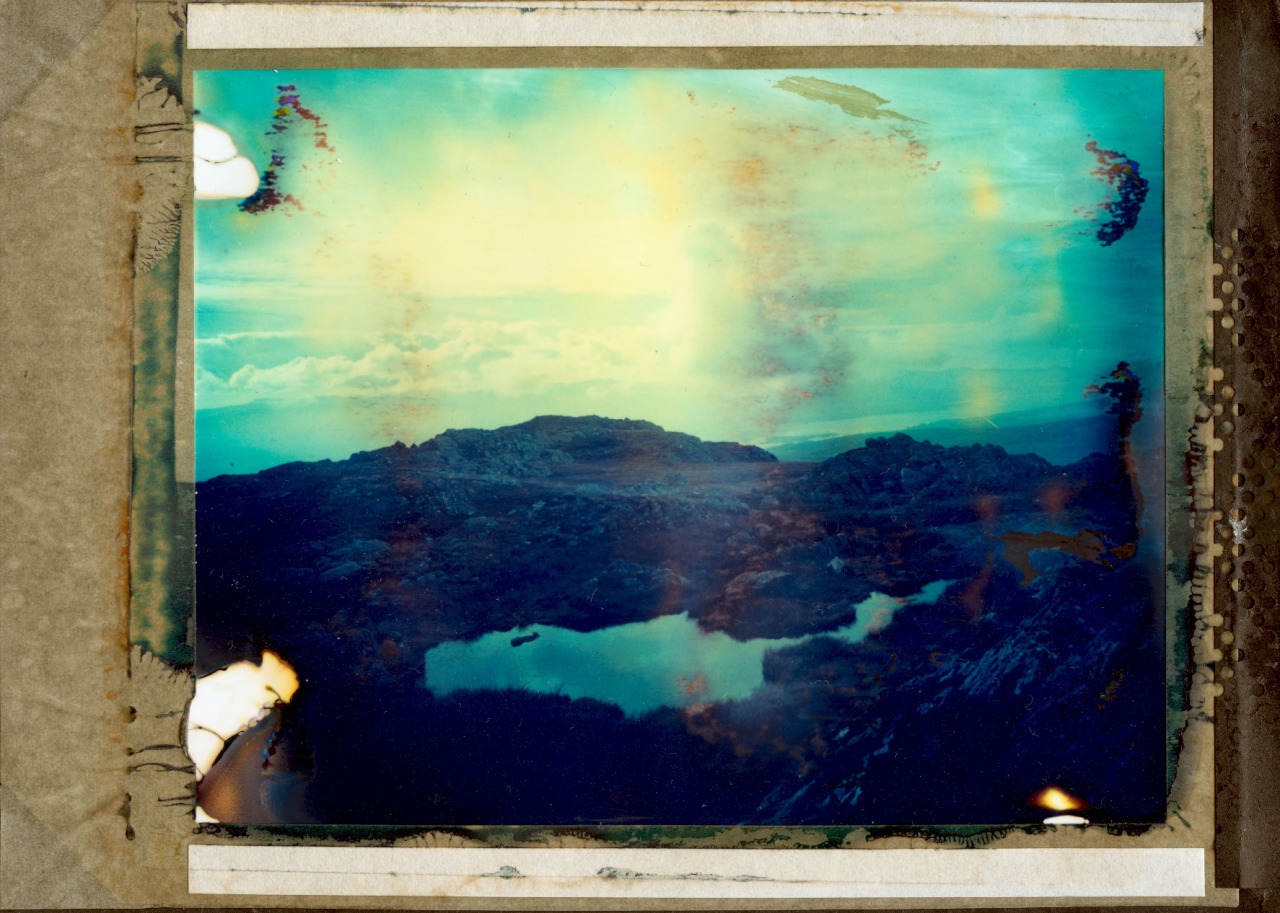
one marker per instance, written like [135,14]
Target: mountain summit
[547,440]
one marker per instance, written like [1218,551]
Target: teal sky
[701,248]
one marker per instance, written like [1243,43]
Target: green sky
[741,255]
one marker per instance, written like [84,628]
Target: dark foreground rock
[1041,661]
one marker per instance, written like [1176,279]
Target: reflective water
[666,661]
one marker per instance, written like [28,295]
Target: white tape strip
[681,23]
[696,873]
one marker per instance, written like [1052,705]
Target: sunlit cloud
[473,356]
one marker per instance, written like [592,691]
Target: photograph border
[1184,371]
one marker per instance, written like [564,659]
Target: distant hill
[550,439]
[283,437]
[1059,440]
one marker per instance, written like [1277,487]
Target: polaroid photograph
[719,455]
[685,447]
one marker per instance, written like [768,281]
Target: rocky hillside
[351,570]
[585,523]
[535,447]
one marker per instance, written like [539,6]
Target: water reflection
[666,661]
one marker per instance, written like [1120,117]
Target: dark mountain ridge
[352,570]
[586,523]
[533,447]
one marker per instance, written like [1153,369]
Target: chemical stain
[1112,689]
[1119,213]
[850,99]
[860,103]
[1057,799]
[268,196]
[1085,544]
[233,700]
[288,112]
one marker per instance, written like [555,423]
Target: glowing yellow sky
[699,248]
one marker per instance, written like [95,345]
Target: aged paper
[133,845]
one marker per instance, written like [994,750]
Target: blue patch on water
[668,661]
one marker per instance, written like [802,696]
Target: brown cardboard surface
[66,453]
[1246,232]
[96,800]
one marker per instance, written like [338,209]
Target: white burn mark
[1062,803]
[229,701]
[220,172]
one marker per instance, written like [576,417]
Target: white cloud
[506,359]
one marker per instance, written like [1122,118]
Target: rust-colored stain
[1125,551]
[1112,689]
[1053,497]
[987,507]
[971,597]
[1086,544]
[222,792]
[750,171]
[123,569]
[695,685]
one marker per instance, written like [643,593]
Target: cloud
[220,172]
[505,359]
[505,369]
[223,339]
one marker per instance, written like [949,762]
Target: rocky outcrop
[899,470]
[1059,683]
[351,570]
[587,522]
[536,446]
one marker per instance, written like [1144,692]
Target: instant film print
[679,446]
